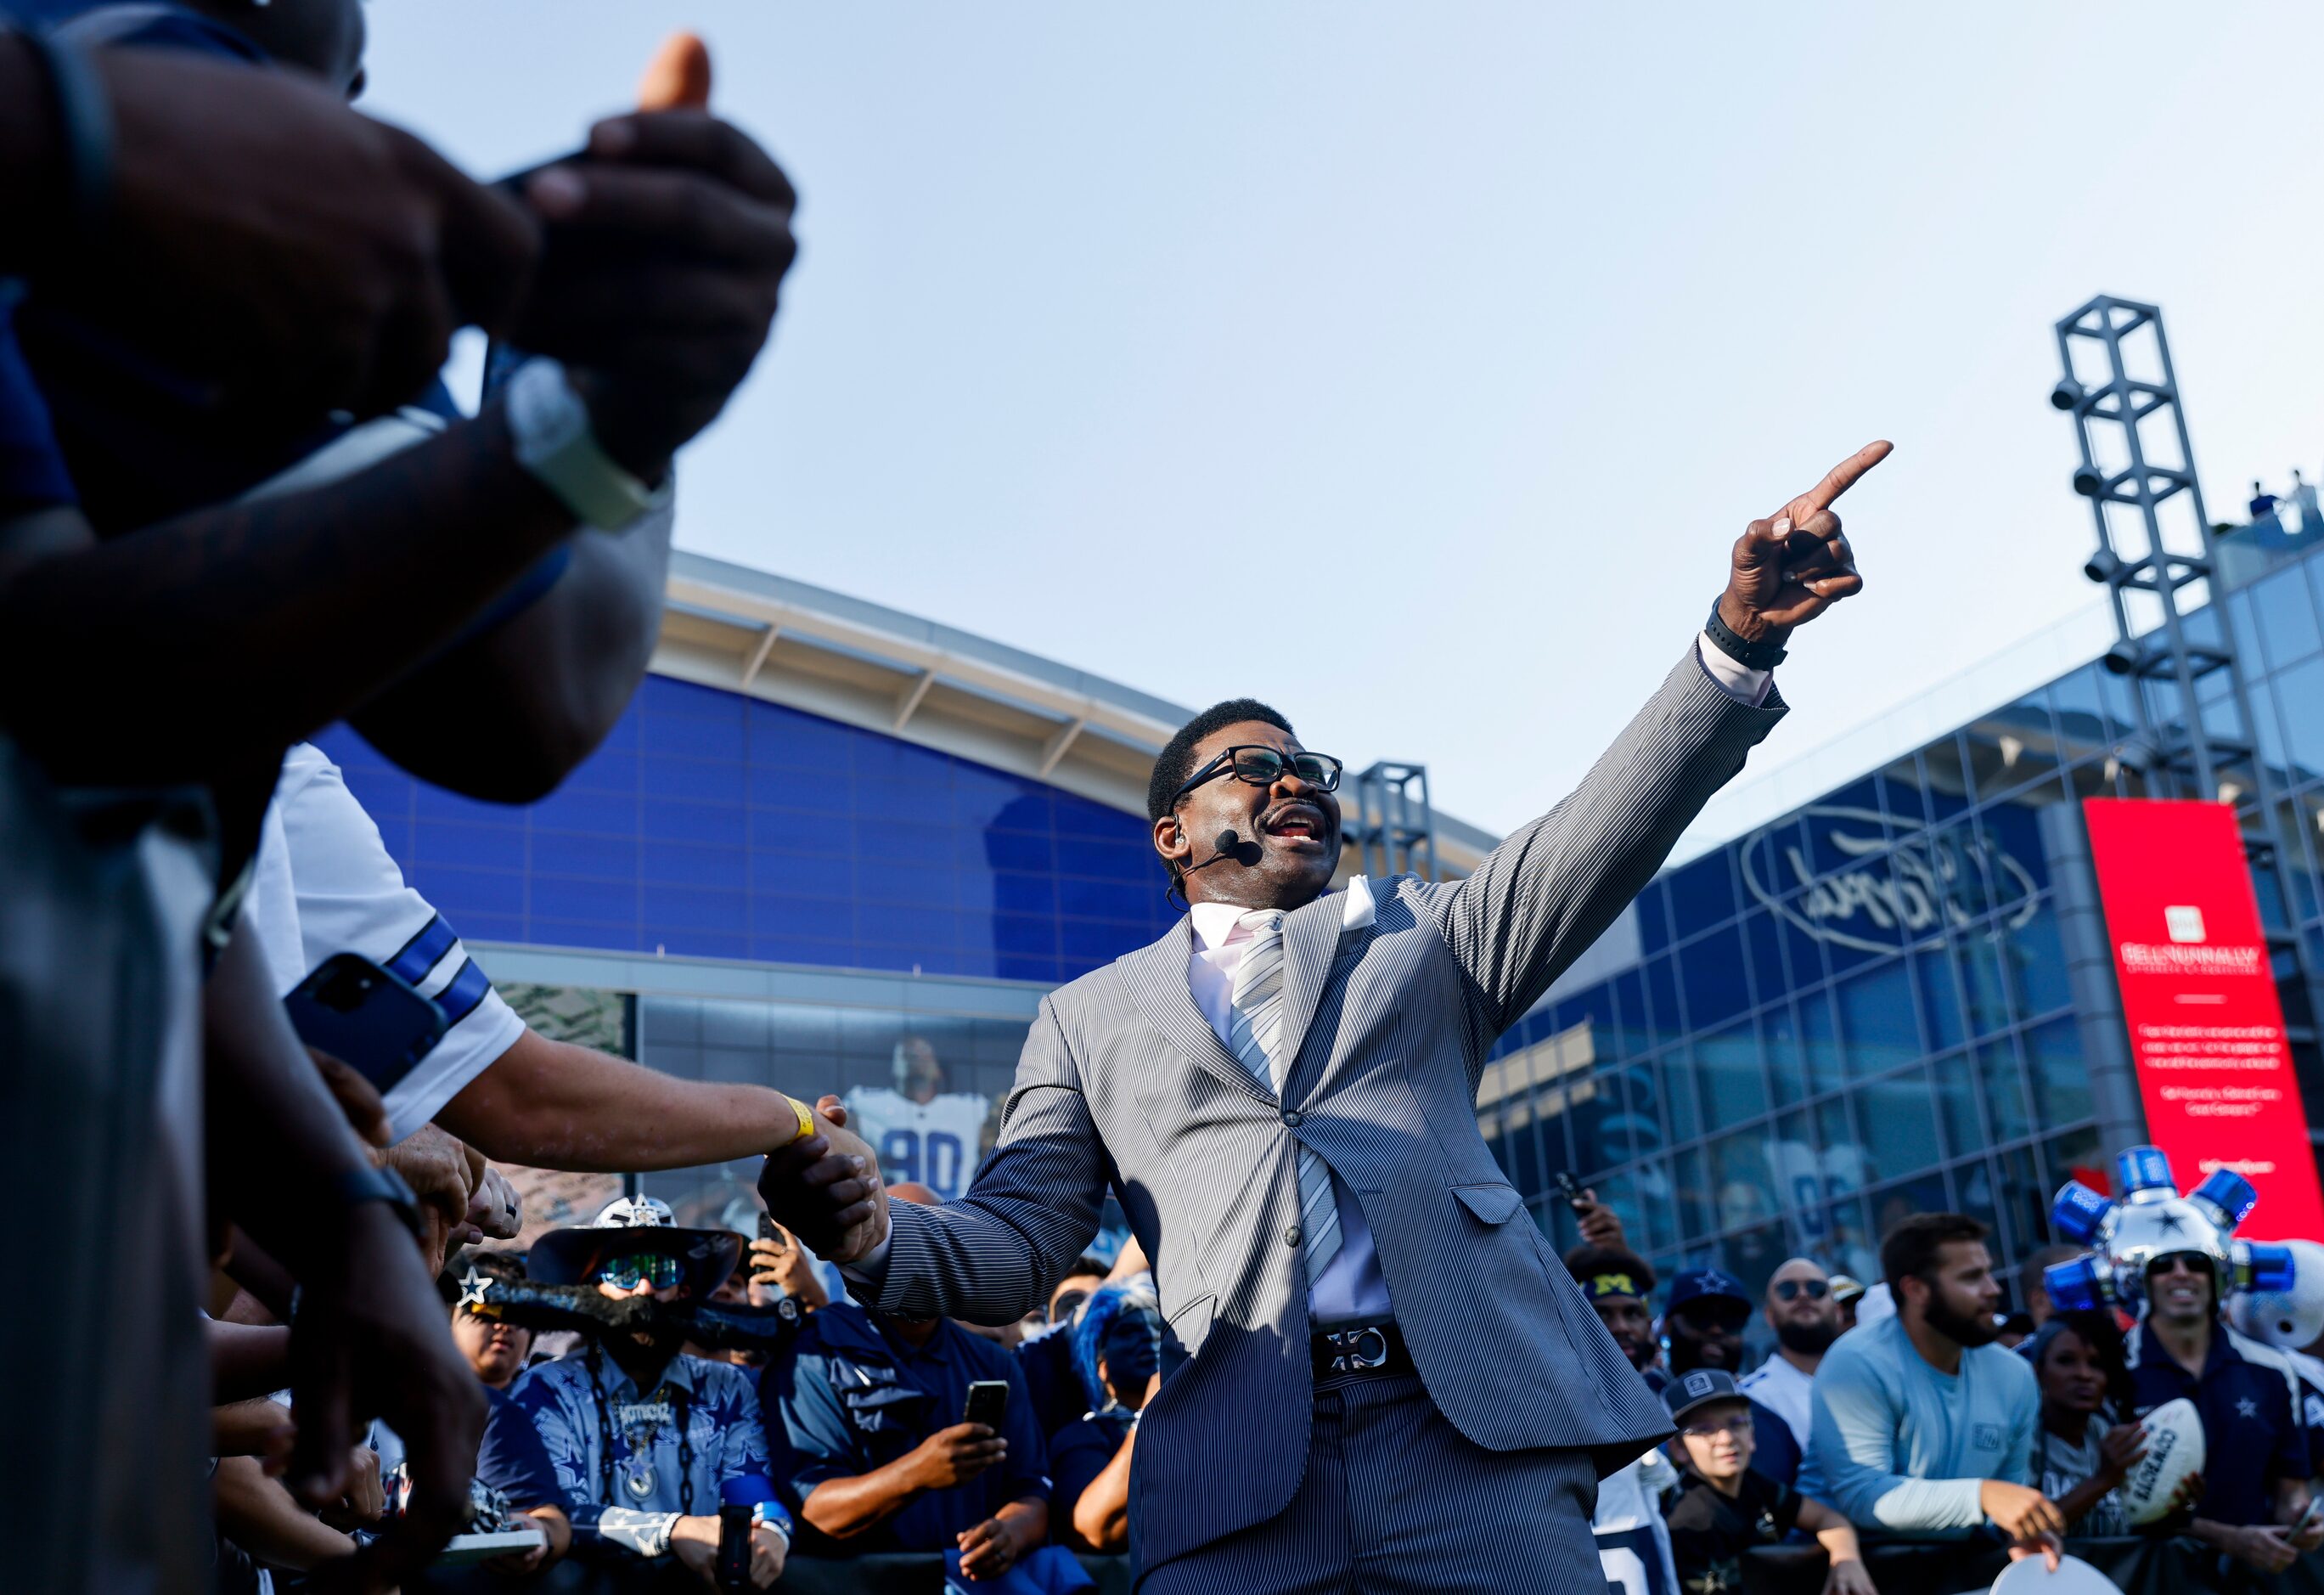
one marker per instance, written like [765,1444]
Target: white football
[2174,1454]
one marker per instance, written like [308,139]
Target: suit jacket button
[1294,1118]
[1291,1235]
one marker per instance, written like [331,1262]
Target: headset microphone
[1230,845]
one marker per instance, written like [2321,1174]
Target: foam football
[2174,1454]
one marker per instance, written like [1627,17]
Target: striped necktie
[1255,1036]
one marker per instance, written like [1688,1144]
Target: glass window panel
[1691,1194]
[2037,961]
[1875,1019]
[2077,1155]
[1787,1071]
[1820,1036]
[1656,1200]
[1768,982]
[2299,695]
[1983,982]
[1939,998]
[2085,722]
[2286,617]
[2062,1085]
[2005,1092]
[1662,992]
[1727,1064]
[2024,1200]
[1716,987]
[1953,1080]
[1679,1098]
[1974,1193]
[1653,917]
[1900,1132]
[1621,1192]
[1627,1030]
[1633,1095]
[1701,894]
[2010,747]
[1751,1256]
[1949,783]
[2292,833]
[1852,1249]
[1892,1204]
[1600,1134]
[1744,1190]
[1901,792]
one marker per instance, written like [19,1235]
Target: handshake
[825,1189]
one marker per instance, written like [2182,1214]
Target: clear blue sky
[1413,368]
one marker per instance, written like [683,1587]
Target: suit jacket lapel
[1311,943]
[1156,975]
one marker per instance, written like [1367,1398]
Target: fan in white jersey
[920,1131]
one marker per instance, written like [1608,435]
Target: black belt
[1358,1349]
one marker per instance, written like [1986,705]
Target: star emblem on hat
[473,1287]
[2245,1407]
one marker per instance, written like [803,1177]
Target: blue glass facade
[717,825]
[1863,1009]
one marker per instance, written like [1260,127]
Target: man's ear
[1170,839]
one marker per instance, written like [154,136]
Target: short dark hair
[1586,1262]
[1174,766]
[2038,1260]
[1089,1262]
[1909,1251]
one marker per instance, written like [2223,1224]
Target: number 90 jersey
[933,1142]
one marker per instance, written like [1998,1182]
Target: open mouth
[1299,824]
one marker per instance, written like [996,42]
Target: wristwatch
[1763,655]
[359,1185]
[556,448]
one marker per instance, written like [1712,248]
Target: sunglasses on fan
[657,1270]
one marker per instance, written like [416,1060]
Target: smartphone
[988,1404]
[2309,1518]
[368,1018]
[772,1232]
[1566,1188]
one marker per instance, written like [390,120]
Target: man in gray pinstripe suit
[1377,1375]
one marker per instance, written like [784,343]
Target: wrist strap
[84,125]
[1763,655]
[806,1121]
[358,1186]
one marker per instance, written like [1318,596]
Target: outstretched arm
[994,1255]
[1541,898]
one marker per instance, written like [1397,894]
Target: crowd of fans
[236,505]
[1926,1411]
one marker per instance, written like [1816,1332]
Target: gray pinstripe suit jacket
[1124,1084]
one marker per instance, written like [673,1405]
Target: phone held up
[368,1018]
[988,1404]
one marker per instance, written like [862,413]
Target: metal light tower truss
[2153,544]
[1394,831]
[2154,535]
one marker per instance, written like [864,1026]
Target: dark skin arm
[845,1508]
[371,1336]
[161,653]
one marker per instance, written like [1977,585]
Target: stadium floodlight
[2088,482]
[2066,394]
[2103,566]
[2122,659]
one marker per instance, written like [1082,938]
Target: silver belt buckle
[1358,1351]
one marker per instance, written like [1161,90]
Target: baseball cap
[1698,1387]
[1846,1288]
[1697,1283]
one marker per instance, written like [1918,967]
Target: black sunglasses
[1263,766]
[1788,1290]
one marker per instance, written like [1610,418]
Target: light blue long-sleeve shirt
[1900,1448]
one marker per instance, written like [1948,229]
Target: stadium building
[832,847]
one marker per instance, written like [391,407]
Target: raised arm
[1542,897]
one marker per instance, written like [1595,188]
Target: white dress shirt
[1350,1289]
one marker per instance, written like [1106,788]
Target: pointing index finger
[1843,475]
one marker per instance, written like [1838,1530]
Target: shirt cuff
[872,1268]
[1737,679]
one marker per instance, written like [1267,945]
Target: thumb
[677,79]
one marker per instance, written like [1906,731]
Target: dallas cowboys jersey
[934,1142]
[323,883]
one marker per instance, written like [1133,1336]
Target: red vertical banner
[2199,997]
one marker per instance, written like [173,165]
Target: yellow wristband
[806,1121]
